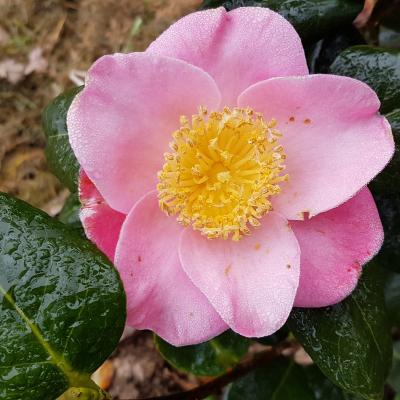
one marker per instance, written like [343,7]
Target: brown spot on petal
[292,119]
[257,246]
[227,270]
[307,121]
[304,215]
[288,266]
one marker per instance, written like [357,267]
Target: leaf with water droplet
[313,19]
[69,214]
[60,157]
[350,341]
[377,67]
[62,307]
[206,359]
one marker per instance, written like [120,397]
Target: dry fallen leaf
[11,70]
[36,63]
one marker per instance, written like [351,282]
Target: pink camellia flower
[196,153]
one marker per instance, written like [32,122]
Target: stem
[246,366]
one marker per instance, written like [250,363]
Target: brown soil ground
[42,45]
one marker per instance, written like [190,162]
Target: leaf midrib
[58,361]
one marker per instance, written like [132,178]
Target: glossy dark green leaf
[350,341]
[281,379]
[62,306]
[323,388]
[392,298]
[379,68]
[206,359]
[389,211]
[313,19]
[60,156]
[388,181]
[394,377]
[69,214]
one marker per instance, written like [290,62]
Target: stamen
[221,172]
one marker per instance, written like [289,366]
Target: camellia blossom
[226,183]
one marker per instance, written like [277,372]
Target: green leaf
[313,19]
[394,377]
[379,68]
[206,359]
[281,379]
[389,211]
[392,298]
[69,214]
[323,388]
[60,156]
[350,341]
[62,307]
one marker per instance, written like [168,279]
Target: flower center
[223,168]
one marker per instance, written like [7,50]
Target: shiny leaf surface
[312,19]
[207,359]
[60,156]
[379,68]
[323,388]
[350,341]
[69,214]
[62,306]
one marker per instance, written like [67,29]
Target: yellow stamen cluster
[223,168]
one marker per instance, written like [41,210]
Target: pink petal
[101,223]
[237,49]
[160,295]
[251,283]
[334,245]
[334,138]
[121,123]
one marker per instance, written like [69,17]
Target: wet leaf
[60,156]
[62,307]
[313,19]
[207,359]
[69,214]
[281,379]
[379,68]
[323,388]
[350,341]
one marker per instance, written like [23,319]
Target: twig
[246,366]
